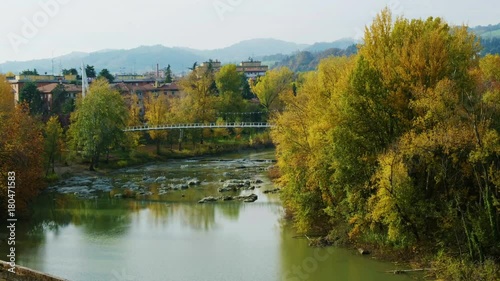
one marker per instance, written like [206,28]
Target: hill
[487,32]
[250,48]
[339,44]
[145,58]
[307,61]
[490,38]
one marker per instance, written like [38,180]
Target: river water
[83,230]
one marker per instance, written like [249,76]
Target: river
[83,230]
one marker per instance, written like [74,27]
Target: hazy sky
[33,29]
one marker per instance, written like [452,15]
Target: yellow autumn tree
[156,109]
[7,100]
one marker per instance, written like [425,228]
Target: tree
[272,86]
[302,135]
[59,99]
[105,74]
[21,151]
[98,122]
[198,104]
[30,72]
[156,109]
[7,99]
[246,91]
[90,71]
[398,145]
[195,65]
[32,97]
[53,142]
[135,119]
[71,71]
[168,75]
[228,82]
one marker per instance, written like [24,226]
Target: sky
[34,29]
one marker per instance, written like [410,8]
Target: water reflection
[172,237]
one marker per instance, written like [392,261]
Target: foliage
[90,71]
[62,104]
[30,95]
[98,122]
[168,75]
[271,87]
[71,71]
[490,46]
[30,72]
[308,61]
[156,107]
[21,151]
[53,143]
[135,119]
[246,91]
[104,73]
[399,142]
[198,105]
[302,141]
[7,99]
[228,82]
[447,268]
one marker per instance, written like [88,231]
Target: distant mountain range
[307,60]
[145,58]
[487,32]
[300,57]
[490,38]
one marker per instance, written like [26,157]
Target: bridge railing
[199,125]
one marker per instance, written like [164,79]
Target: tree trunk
[53,164]
[91,167]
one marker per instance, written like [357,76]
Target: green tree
[104,73]
[398,145]
[98,122]
[30,72]
[59,98]
[168,75]
[245,88]
[228,82]
[90,71]
[71,71]
[303,138]
[53,143]
[272,86]
[30,95]
[199,102]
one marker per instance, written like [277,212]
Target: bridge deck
[199,125]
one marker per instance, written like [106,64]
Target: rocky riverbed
[161,181]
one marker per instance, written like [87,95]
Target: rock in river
[208,199]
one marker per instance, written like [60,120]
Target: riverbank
[24,274]
[147,154]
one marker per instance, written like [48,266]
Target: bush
[448,268]
[122,163]
[52,178]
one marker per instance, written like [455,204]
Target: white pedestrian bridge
[198,126]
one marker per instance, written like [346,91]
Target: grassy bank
[146,153]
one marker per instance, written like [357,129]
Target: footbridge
[198,126]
